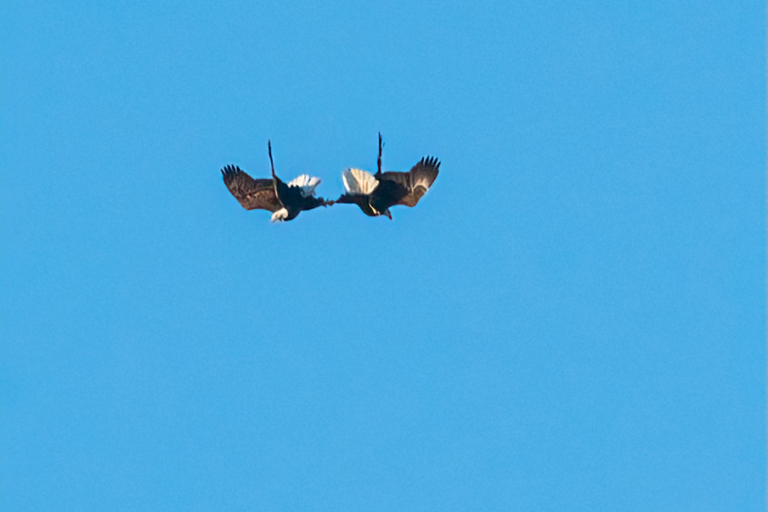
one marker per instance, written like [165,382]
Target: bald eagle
[376,193]
[285,201]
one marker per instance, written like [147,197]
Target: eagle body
[297,196]
[284,200]
[376,193]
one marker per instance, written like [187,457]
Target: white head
[279,215]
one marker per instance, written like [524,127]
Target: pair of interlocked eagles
[373,193]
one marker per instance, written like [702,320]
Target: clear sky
[572,319]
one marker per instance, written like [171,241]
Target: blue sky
[572,319]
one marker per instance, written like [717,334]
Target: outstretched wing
[416,182]
[250,193]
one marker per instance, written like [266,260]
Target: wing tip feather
[231,171]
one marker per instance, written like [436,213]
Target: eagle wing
[416,182]
[250,193]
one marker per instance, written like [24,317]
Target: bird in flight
[285,201]
[376,193]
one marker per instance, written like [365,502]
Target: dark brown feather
[250,193]
[412,185]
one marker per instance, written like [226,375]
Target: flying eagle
[376,193]
[285,201]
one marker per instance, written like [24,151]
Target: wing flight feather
[250,193]
[417,181]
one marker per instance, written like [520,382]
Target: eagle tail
[306,184]
[357,181]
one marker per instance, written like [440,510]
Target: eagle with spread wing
[284,200]
[376,193]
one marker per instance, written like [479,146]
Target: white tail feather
[279,215]
[306,183]
[357,181]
